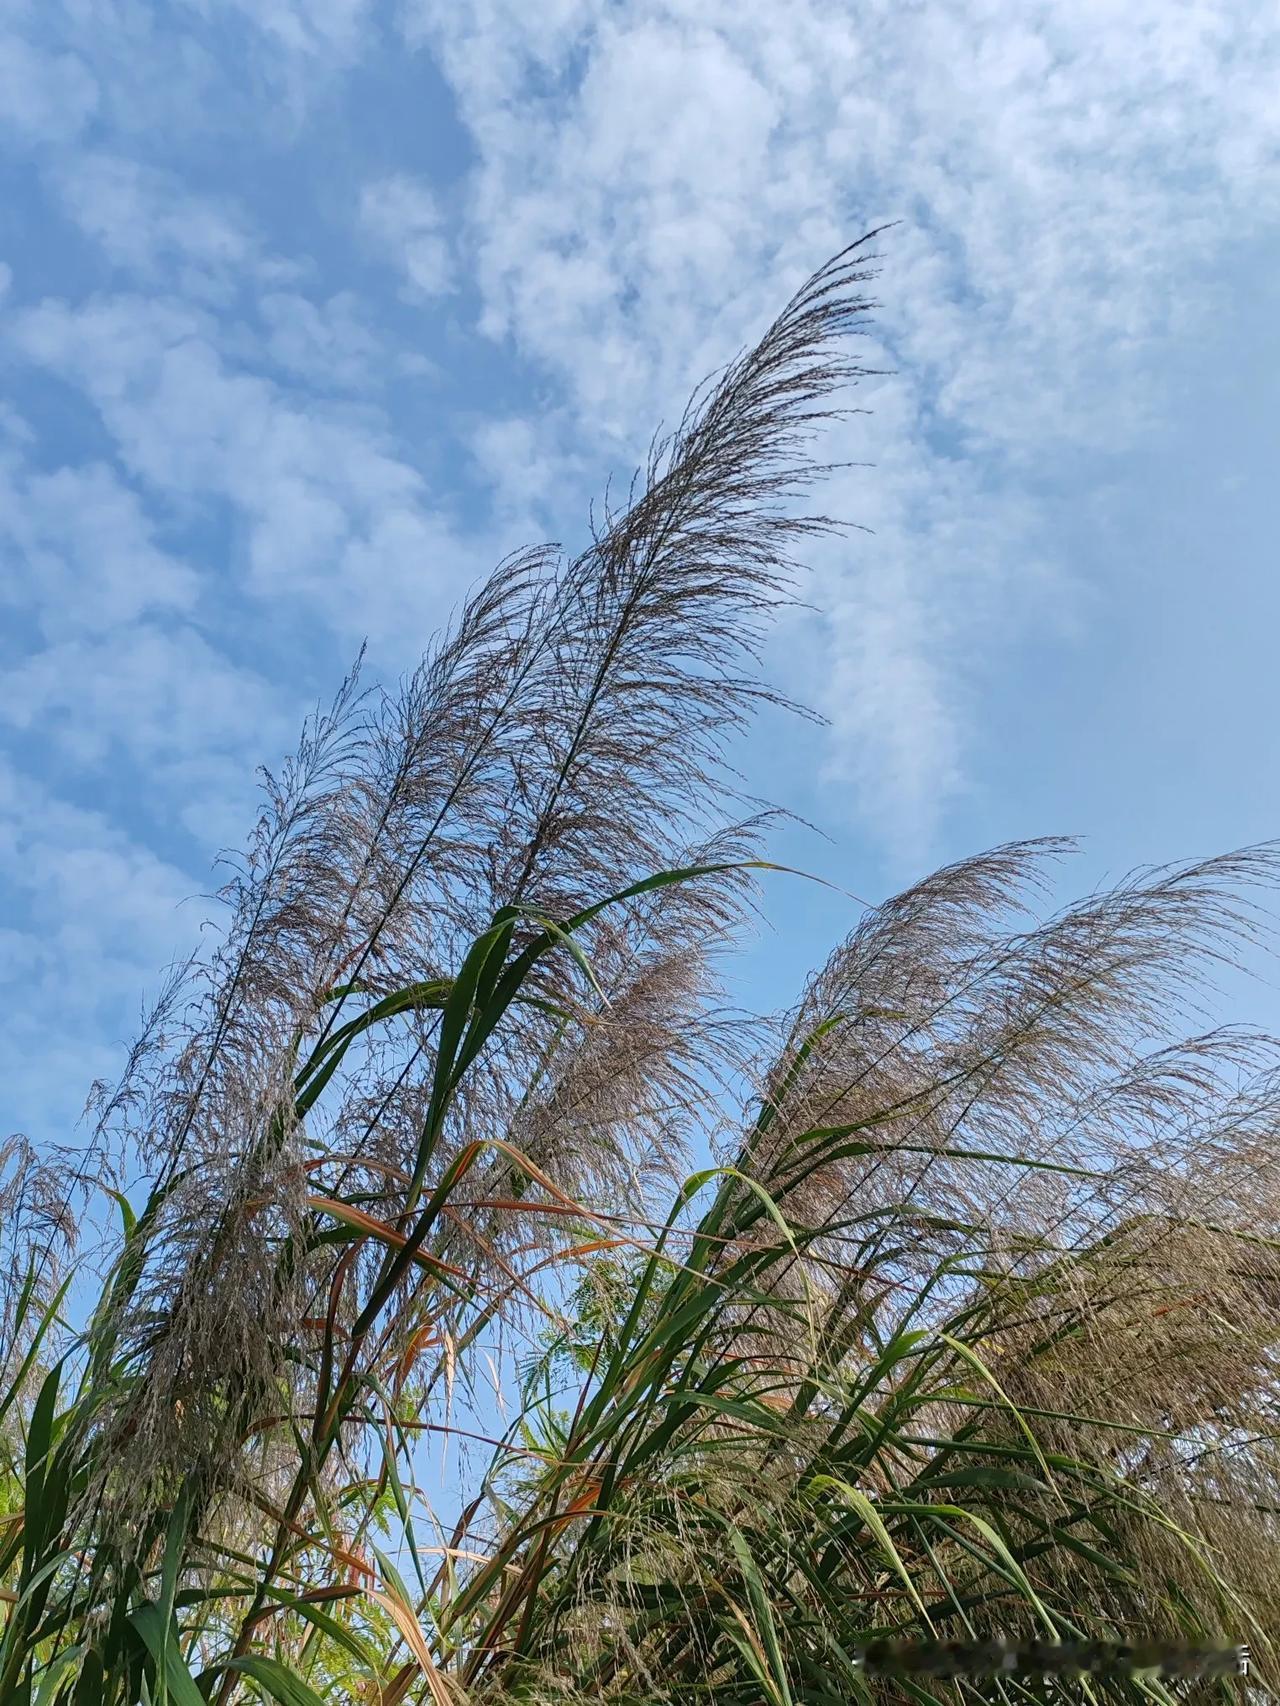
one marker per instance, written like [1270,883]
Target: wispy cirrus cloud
[403,218]
[330,344]
[202,70]
[106,662]
[45,95]
[327,509]
[60,526]
[148,223]
[1064,178]
[94,916]
[305,29]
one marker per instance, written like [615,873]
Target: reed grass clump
[967,1329]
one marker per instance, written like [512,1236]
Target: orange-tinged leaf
[398,1687]
[355,1565]
[418,1342]
[586,1499]
[359,1221]
[408,1626]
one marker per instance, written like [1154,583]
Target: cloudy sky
[312,309]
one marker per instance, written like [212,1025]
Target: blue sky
[312,309]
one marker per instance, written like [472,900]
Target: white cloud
[1065,177]
[331,344]
[201,249]
[321,342]
[115,666]
[164,695]
[134,685]
[530,466]
[78,552]
[100,914]
[90,886]
[45,96]
[197,68]
[402,217]
[310,28]
[145,219]
[65,63]
[330,513]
